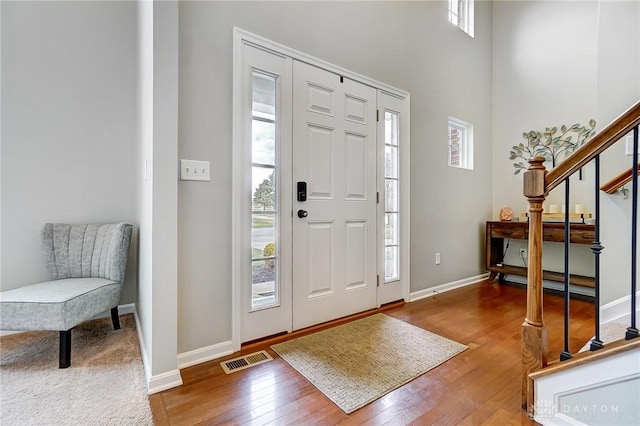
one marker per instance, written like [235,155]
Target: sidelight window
[264,192]
[391,197]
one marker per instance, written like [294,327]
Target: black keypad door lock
[302,191]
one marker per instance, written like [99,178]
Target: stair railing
[537,184]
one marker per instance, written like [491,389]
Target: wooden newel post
[534,332]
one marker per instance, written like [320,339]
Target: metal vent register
[237,364]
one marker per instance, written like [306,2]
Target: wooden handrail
[537,184]
[619,181]
[600,142]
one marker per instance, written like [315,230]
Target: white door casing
[247,324]
[334,151]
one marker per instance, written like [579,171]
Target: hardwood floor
[481,386]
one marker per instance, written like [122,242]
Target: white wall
[554,63]
[165,186]
[144,179]
[157,188]
[68,126]
[83,112]
[409,45]
[618,89]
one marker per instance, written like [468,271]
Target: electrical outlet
[437,258]
[523,252]
[195,170]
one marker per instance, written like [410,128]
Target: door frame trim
[241,37]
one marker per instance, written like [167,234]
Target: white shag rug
[104,385]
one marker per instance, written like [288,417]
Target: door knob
[302,214]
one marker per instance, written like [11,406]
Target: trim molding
[143,349]
[164,381]
[198,356]
[552,285]
[619,310]
[283,50]
[434,291]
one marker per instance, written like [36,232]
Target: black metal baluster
[597,248]
[632,331]
[566,353]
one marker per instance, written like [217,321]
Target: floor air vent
[237,364]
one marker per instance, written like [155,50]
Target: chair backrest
[86,251]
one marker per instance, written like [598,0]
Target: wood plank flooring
[481,386]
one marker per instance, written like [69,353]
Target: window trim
[465,144]
[466,24]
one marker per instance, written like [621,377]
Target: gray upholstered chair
[87,264]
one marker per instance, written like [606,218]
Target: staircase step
[609,332]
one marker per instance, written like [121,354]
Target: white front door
[334,229]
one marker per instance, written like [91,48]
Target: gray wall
[75,80]
[618,88]
[556,63]
[68,125]
[409,45]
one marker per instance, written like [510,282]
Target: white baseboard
[619,310]
[198,356]
[164,381]
[143,349]
[433,291]
[160,382]
[553,285]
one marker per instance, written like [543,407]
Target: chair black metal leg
[115,318]
[65,349]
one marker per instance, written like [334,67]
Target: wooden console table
[497,232]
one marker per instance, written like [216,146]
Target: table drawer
[553,234]
[583,236]
[519,232]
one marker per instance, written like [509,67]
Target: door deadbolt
[301,191]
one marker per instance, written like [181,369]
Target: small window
[461,15]
[460,144]
[265,285]
[391,196]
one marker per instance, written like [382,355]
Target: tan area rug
[359,362]
[105,384]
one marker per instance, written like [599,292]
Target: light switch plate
[195,170]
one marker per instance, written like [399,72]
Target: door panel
[334,151]
[321,141]
[356,236]
[356,173]
[320,258]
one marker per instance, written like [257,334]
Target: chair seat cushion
[56,305]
